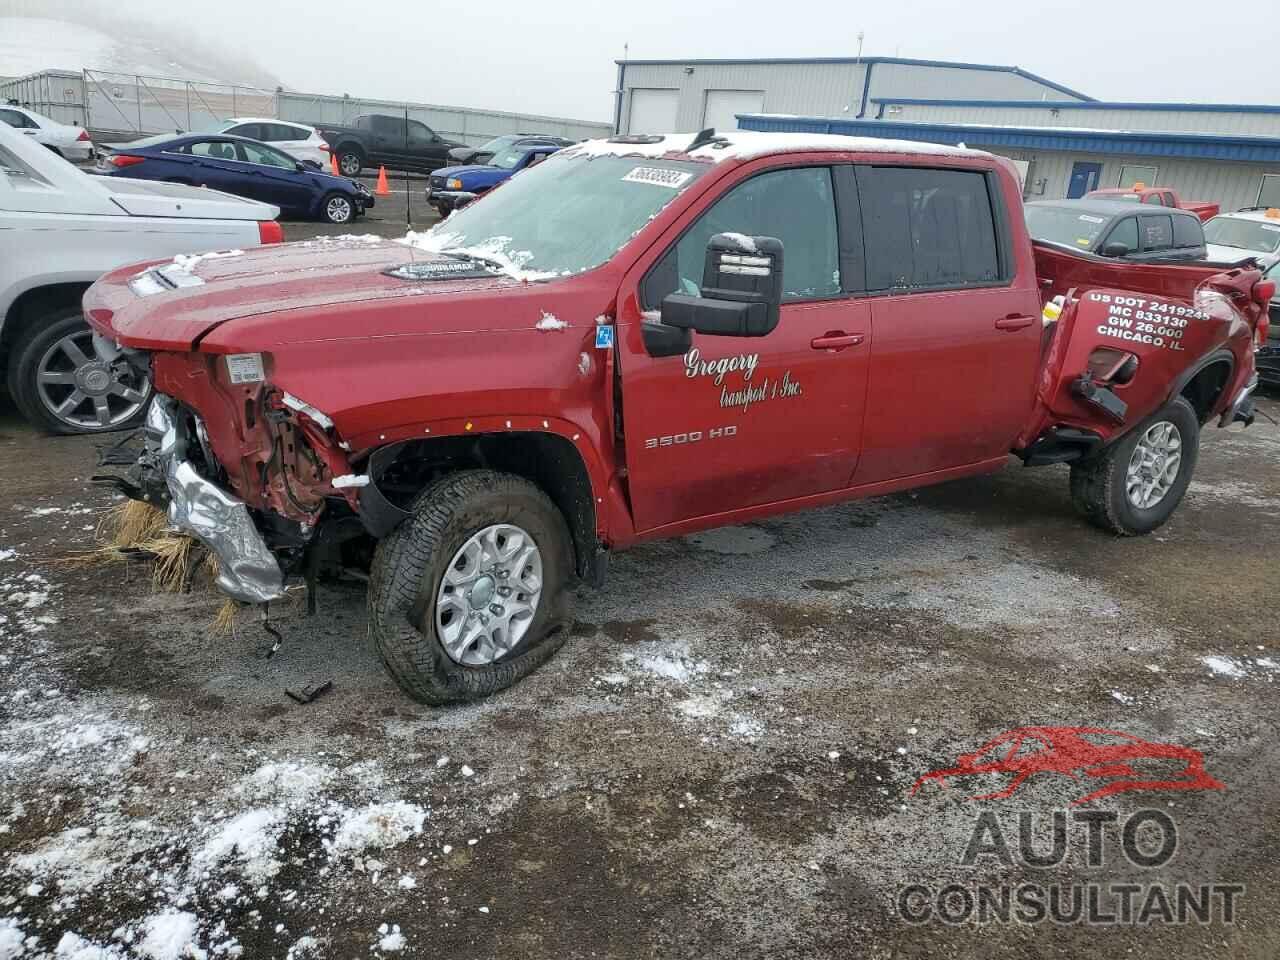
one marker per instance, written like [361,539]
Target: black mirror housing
[741,289]
[1116,249]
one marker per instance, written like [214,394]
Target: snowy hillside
[31,44]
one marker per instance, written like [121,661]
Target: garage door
[723,107]
[653,111]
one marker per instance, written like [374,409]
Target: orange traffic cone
[382,189]
[333,164]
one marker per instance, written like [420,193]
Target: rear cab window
[1157,233]
[931,229]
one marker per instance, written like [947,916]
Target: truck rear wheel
[350,161]
[1135,484]
[471,595]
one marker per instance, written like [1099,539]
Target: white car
[60,230]
[1231,237]
[296,139]
[64,139]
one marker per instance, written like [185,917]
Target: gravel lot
[719,763]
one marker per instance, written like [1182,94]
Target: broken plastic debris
[350,480]
[301,406]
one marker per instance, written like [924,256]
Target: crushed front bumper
[247,570]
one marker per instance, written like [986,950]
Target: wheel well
[30,306]
[548,460]
[1204,389]
[350,146]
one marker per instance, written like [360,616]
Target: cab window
[1126,232]
[797,206]
[214,149]
[420,132]
[928,228]
[1157,233]
[1188,232]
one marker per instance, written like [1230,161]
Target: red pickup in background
[1157,196]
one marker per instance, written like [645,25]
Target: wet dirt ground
[719,763]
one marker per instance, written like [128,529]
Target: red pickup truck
[644,337]
[1157,196]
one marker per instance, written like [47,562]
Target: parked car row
[61,229]
[246,168]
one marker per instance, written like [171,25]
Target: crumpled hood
[171,305]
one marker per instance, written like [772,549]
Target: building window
[1131,174]
[1269,191]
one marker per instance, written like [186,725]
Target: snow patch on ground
[249,841]
[72,946]
[377,826]
[171,935]
[1237,668]
[390,939]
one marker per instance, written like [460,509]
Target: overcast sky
[557,57]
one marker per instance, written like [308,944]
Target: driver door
[738,422]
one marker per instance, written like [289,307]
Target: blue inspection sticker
[604,336]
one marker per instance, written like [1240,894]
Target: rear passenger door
[955,320]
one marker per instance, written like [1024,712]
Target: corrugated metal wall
[819,89]
[58,94]
[1179,121]
[455,123]
[1232,185]
[915,81]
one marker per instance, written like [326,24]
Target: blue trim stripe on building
[1090,105]
[1135,143]
[904,61]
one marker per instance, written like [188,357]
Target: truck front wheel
[1135,484]
[471,594]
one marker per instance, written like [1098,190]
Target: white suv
[61,229]
[296,139]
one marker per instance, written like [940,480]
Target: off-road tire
[1098,485]
[24,361]
[409,563]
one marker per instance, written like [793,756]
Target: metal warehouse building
[1065,142]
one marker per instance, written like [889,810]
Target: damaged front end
[254,473]
[165,476]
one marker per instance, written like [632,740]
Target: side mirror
[741,289]
[1116,249]
[299,166]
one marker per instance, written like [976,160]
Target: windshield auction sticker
[658,176]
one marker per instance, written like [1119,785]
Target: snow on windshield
[564,216]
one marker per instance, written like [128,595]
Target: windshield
[507,159]
[496,144]
[565,215]
[1243,234]
[1071,228]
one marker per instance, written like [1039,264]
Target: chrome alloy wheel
[338,209]
[349,163]
[1154,465]
[86,391]
[489,595]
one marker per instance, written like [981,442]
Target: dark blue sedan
[246,168]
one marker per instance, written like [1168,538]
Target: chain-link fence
[124,106]
[136,105]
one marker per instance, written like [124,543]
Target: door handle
[1014,321]
[836,340]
